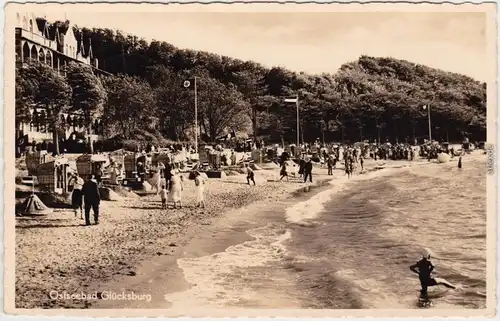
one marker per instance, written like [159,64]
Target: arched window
[34,53]
[31,25]
[26,52]
[48,58]
[41,55]
[25,23]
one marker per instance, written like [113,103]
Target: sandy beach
[57,252]
[139,248]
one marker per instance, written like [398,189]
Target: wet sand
[249,238]
[179,258]
[58,253]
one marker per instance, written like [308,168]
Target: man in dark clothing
[168,175]
[92,199]
[308,171]
[302,164]
[329,163]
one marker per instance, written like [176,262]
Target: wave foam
[305,211]
[226,278]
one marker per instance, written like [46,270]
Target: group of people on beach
[172,188]
[305,170]
[85,196]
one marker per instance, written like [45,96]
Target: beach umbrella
[34,206]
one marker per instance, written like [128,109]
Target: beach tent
[34,206]
[33,159]
[117,156]
[256,156]
[163,158]
[53,176]
[131,161]
[86,164]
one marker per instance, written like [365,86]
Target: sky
[313,42]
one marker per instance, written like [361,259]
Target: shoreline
[130,232]
[170,281]
[146,257]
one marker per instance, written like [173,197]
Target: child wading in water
[424,269]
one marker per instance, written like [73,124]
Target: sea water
[350,245]
[367,236]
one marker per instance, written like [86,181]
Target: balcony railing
[38,39]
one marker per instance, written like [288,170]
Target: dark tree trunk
[55,140]
[254,123]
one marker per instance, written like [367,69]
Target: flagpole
[195,116]
[429,120]
[298,123]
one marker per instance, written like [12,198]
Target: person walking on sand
[176,188]
[163,195]
[283,172]
[361,162]
[92,199]
[302,163]
[347,166]
[200,189]
[76,195]
[250,175]
[460,162]
[308,170]
[329,163]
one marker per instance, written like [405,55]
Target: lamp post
[428,107]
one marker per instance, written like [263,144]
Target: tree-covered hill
[371,98]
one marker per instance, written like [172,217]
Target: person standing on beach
[92,198]
[361,162]
[283,172]
[200,189]
[308,171]
[250,175]
[163,195]
[329,163]
[460,162]
[76,195]
[347,166]
[302,163]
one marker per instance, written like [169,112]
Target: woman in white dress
[200,189]
[176,188]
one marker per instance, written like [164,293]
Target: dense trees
[88,94]
[40,85]
[371,98]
